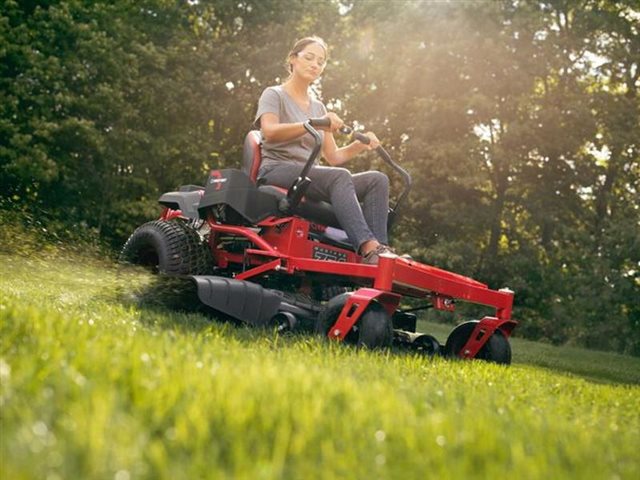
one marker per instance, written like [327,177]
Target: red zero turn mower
[270,257]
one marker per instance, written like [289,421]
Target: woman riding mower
[360,201]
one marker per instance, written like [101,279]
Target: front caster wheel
[372,330]
[497,349]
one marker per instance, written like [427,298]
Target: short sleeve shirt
[276,100]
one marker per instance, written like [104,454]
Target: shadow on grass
[592,365]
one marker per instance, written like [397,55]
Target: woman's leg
[333,185]
[372,189]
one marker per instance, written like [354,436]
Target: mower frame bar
[284,247]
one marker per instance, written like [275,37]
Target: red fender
[355,307]
[482,332]
[169,214]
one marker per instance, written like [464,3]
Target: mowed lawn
[99,382]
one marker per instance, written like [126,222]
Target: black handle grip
[345,130]
[362,138]
[320,122]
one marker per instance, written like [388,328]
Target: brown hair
[300,46]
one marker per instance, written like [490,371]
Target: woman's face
[310,62]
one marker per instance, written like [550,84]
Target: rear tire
[168,246]
[497,349]
[372,330]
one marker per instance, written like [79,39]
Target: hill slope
[99,384]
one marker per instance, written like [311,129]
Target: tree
[518,121]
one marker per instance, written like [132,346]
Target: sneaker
[404,256]
[372,257]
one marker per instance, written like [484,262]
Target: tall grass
[98,382]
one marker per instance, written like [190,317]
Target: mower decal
[320,253]
[217,178]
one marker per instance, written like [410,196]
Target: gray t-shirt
[276,100]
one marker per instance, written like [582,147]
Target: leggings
[344,192]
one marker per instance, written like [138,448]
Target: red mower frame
[284,247]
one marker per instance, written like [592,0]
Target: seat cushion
[315,211]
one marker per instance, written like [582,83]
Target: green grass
[99,384]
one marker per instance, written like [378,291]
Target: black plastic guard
[245,301]
[185,201]
[237,192]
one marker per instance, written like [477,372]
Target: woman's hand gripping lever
[384,155]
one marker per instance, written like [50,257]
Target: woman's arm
[338,156]
[274,131]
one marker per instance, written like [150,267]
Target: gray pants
[345,192]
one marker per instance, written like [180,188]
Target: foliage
[96,384]
[518,121]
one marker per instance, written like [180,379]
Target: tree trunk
[604,195]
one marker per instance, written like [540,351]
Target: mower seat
[316,211]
